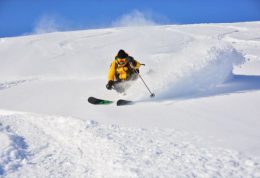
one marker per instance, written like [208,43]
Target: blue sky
[20,17]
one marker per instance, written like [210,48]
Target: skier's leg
[118,86]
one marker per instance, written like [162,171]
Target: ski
[97,101]
[122,102]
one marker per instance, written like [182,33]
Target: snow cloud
[135,18]
[46,24]
[49,23]
[52,23]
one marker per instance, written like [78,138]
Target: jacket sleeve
[134,62]
[112,71]
[137,64]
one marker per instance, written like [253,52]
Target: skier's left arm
[133,63]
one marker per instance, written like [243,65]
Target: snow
[13,150]
[70,147]
[203,122]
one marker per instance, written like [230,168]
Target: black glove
[110,84]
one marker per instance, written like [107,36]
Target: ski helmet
[122,54]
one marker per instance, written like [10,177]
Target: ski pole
[152,94]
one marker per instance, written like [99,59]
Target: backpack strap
[117,74]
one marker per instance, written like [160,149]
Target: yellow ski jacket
[121,72]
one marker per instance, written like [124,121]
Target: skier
[123,68]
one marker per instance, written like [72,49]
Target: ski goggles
[121,61]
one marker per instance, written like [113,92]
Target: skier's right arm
[111,75]
[112,71]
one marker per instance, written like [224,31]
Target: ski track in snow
[71,147]
[9,84]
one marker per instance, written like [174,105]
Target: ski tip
[90,98]
[96,101]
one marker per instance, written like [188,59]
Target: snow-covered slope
[203,122]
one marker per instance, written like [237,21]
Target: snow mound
[201,65]
[198,67]
[70,147]
[167,153]
[13,151]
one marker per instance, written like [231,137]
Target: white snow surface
[203,122]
